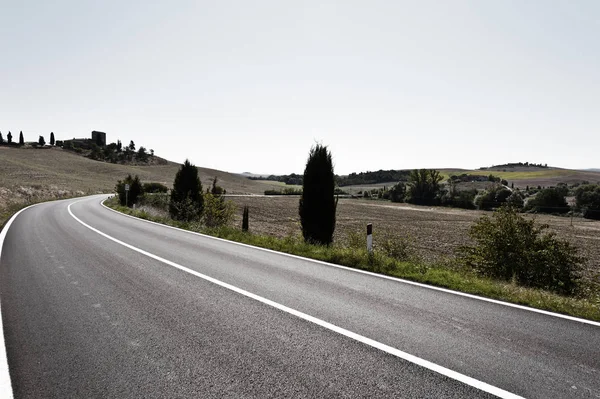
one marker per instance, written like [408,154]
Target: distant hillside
[50,173]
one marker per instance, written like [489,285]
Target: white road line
[367,341]
[383,276]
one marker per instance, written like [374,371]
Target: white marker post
[126,194]
[370,237]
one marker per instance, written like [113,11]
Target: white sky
[251,85]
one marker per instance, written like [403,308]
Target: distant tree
[512,185]
[187,201]
[9,137]
[142,155]
[119,146]
[132,145]
[549,200]
[52,141]
[216,190]
[21,139]
[587,200]
[151,152]
[41,141]
[135,190]
[245,218]
[424,187]
[398,192]
[317,206]
[1,138]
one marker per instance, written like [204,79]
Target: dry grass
[434,233]
[30,175]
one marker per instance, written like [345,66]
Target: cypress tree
[1,138]
[21,140]
[41,141]
[245,218]
[187,202]
[317,203]
[52,138]
[9,137]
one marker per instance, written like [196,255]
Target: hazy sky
[252,85]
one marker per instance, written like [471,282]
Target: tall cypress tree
[52,138]
[9,137]
[1,138]
[21,140]
[187,202]
[317,204]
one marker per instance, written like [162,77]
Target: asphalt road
[125,308]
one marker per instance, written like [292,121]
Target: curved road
[98,304]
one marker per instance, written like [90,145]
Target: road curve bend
[98,304]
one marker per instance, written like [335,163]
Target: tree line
[9,140]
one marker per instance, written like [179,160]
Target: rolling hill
[29,175]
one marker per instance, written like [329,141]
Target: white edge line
[342,331]
[5,382]
[397,279]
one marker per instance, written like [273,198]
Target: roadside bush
[155,188]
[395,247]
[217,211]
[512,248]
[135,190]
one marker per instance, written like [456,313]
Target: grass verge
[442,274]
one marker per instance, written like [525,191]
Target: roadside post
[126,194]
[370,237]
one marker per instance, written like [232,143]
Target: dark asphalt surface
[87,317]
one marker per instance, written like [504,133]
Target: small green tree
[217,211]
[246,218]
[9,137]
[21,139]
[317,204]
[510,247]
[187,201]
[135,190]
[41,141]
[52,141]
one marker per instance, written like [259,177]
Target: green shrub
[153,187]
[135,190]
[217,211]
[510,247]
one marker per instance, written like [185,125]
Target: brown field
[432,232]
